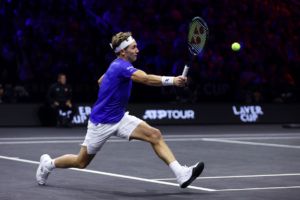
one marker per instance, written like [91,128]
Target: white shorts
[98,134]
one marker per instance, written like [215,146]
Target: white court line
[19,160]
[217,136]
[80,141]
[77,138]
[65,140]
[42,138]
[251,143]
[152,180]
[263,188]
[82,137]
[111,174]
[238,176]
[260,138]
[44,142]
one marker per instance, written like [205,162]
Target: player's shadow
[152,194]
[113,192]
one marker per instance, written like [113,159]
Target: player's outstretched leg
[184,175]
[47,164]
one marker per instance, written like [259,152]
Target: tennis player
[108,116]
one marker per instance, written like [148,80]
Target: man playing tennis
[108,116]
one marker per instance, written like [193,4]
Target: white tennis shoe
[189,174]
[43,172]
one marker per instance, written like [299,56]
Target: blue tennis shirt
[114,93]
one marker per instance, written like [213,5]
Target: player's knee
[81,164]
[155,136]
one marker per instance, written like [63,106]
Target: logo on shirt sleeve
[130,69]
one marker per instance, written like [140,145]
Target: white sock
[175,167]
[50,165]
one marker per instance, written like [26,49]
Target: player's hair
[119,38]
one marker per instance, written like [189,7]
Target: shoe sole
[39,181]
[196,172]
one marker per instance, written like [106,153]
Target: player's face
[131,52]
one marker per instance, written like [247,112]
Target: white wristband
[167,80]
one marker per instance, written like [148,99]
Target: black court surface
[241,162]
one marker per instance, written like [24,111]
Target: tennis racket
[197,37]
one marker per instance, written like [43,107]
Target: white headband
[123,44]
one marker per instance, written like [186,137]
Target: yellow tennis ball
[235,46]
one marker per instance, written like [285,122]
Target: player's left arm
[155,80]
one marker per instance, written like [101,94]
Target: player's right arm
[155,80]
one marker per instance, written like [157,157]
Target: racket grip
[185,71]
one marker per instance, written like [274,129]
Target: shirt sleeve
[128,71]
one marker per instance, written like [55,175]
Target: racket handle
[185,71]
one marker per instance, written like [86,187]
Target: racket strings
[198,32]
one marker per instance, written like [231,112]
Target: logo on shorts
[248,113]
[169,114]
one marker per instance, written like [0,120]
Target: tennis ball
[235,46]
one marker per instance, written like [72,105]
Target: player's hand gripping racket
[197,37]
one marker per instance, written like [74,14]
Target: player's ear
[122,52]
